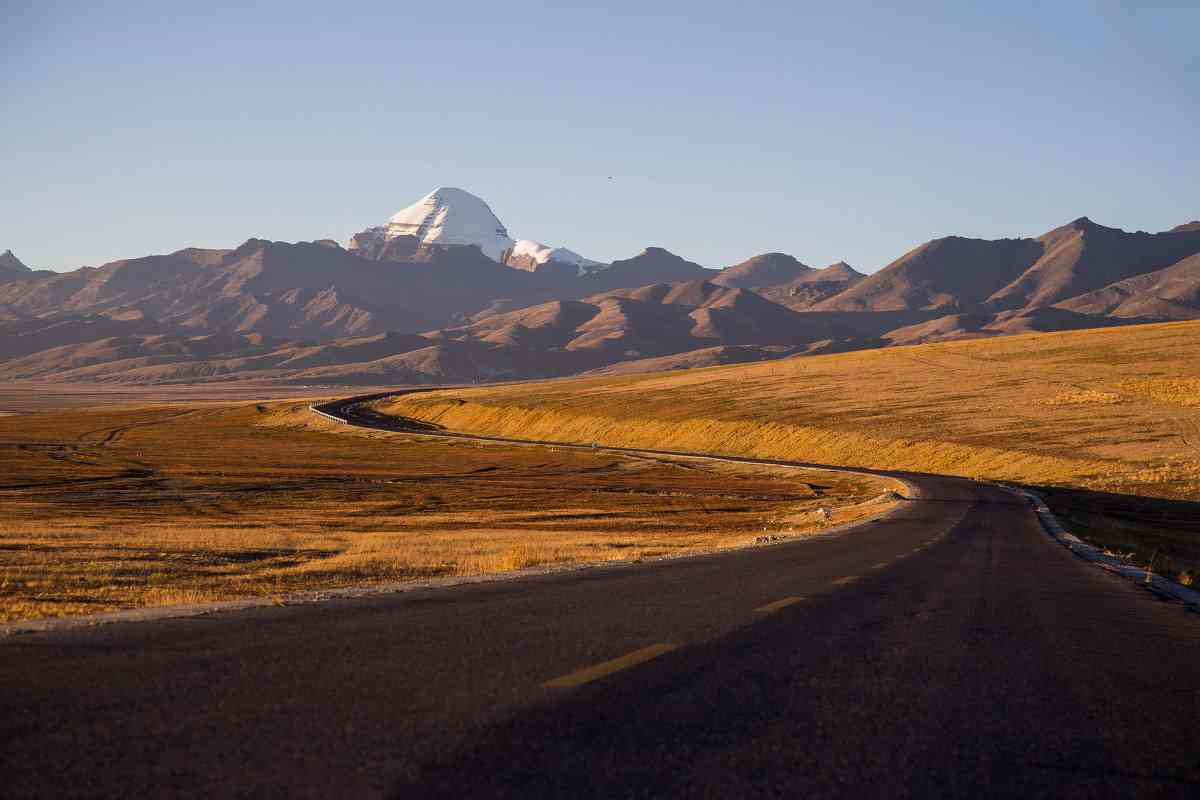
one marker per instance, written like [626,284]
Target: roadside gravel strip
[1159,585]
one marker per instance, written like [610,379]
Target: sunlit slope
[1112,409]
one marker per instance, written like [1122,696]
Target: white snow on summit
[449,216]
[452,216]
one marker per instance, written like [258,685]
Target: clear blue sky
[827,131]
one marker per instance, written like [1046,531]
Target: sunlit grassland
[105,509]
[1113,411]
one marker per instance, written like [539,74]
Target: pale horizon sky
[728,129]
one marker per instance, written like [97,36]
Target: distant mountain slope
[948,273]
[652,265]
[768,269]
[813,287]
[428,305]
[1005,323]
[311,290]
[11,267]
[970,275]
[1171,293]
[23,337]
[556,338]
[949,327]
[634,323]
[839,271]
[667,319]
[319,291]
[1082,256]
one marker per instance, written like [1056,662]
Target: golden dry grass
[1083,397]
[1171,391]
[105,509]
[1113,411]
[1103,409]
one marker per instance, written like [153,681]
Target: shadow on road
[1165,530]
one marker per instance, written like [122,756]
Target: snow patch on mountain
[528,254]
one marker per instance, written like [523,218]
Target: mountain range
[443,293]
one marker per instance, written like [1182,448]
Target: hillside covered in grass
[1114,409]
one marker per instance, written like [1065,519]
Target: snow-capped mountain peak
[454,217]
[450,216]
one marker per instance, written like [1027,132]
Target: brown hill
[837,272]
[646,322]
[691,322]
[1047,319]
[556,338]
[351,350]
[1005,323]
[970,275]
[768,269]
[86,348]
[813,287]
[317,290]
[1168,294]
[947,328]
[652,265]
[949,273]
[309,290]
[1082,256]
[19,338]
[11,267]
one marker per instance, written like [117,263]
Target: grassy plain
[1108,421]
[155,504]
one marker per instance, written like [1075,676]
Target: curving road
[949,650]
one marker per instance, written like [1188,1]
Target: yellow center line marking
[589,674]
[880,565]
[917,549]
[778,604]
[846,580]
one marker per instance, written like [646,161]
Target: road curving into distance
[357,411]
[950,649]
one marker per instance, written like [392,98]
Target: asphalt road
[950,650]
